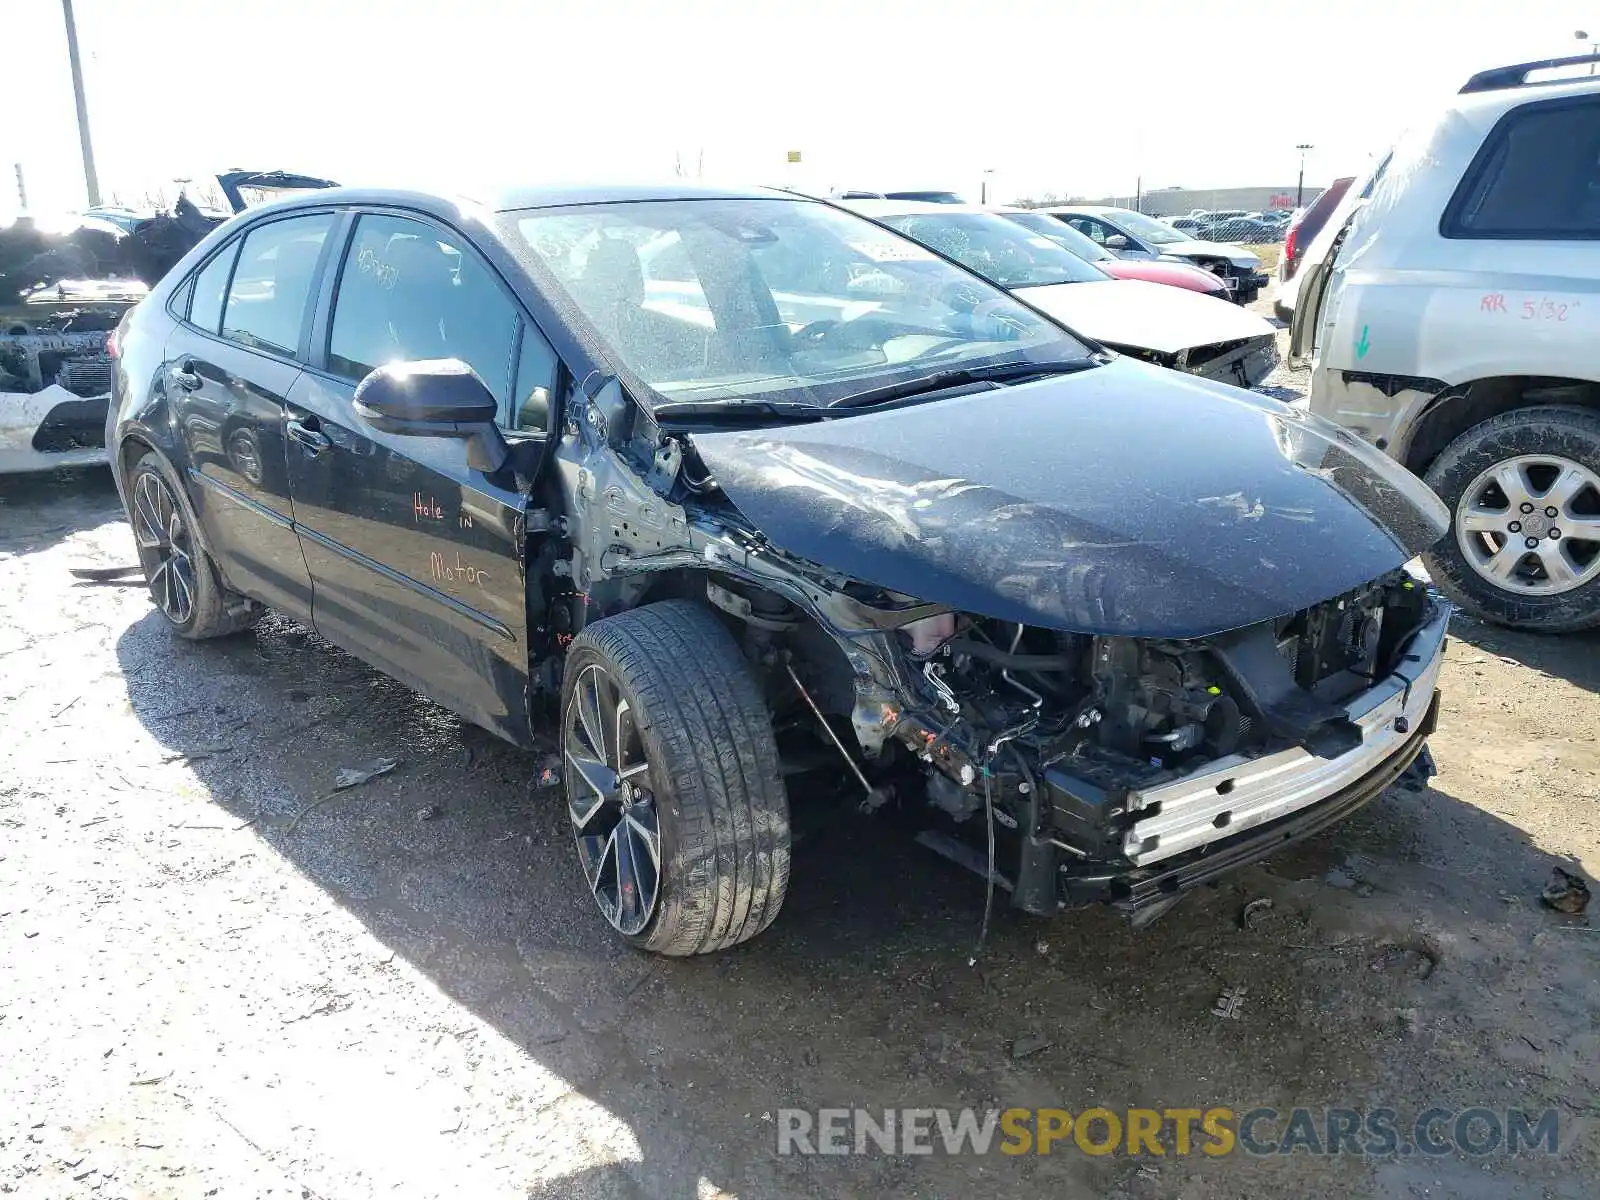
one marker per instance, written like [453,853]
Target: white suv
[1455,325]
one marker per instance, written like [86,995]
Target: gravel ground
[222,979]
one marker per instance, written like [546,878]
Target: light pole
[1300,184]
[1594,47]
[983,186]
[90,179]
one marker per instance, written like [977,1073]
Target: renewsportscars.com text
[1162,1132]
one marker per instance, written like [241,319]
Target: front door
[230,367]
[417,559]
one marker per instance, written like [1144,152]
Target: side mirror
[1117,242]
[435,397]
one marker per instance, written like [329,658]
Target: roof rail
[1517,75]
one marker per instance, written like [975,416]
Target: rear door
[230,366]
[417,559]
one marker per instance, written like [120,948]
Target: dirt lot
[221,979]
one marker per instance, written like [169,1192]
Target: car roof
[520,198]
[552,196]
[907,208]
[1082,208]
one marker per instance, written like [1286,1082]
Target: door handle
[185,376]
[313,441]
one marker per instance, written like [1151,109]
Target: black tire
[1572,433]
[720,803]
[214,609]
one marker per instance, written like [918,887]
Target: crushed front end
[1127,770]
[55,373]
[1243,362]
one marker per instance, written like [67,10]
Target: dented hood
[1126,499]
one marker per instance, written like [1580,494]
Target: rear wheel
[672,782]
[1524,495]
[183,580]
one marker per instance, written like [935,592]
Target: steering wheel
[862,333]
[812,334]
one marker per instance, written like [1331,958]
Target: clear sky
[465,94]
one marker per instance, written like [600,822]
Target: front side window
[271,286]
[1002,252]
[1064,235]
[1538,175]
[410,291]
[772,299]
[1146,229]
[205,305]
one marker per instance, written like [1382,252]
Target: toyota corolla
[720,489]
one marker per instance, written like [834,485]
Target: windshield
[1000,251]
[1063,235]
[1147,228]
[773,300]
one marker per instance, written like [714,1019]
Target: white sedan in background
[1164,325]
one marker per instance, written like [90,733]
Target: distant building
[1177,202]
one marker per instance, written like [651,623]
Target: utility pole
[1300,184]
[22,192]
[91,181]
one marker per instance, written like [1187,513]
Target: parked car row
[1236,226]
[1168,326]
[1133,235]
[762,504]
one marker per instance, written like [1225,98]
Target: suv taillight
[1290,245]
[111,344]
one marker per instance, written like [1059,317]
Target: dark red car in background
[1307,223]
[1175,273]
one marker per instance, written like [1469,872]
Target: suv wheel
[672,782]
[1524,496]
[183,580]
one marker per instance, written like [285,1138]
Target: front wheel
[1524,495]
[672,783]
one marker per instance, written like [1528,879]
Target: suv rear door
[417,559]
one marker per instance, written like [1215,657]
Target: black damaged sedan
[749,499]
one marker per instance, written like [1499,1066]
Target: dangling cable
[988,879]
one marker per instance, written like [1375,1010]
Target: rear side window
[1537,175]
[410,291]
[205,308]
[266,304]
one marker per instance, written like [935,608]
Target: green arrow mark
[1362,346]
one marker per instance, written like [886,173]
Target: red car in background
[1176,274]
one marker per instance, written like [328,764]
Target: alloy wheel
[166,549]
[1531,524]
[613,810]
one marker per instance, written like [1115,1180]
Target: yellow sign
[794,156]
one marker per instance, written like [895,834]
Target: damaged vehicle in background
[61,294]
[784,517]
[1451,323]
[1169,327]
[1129,234]
[1171,272]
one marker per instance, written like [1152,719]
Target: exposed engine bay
[1057,741]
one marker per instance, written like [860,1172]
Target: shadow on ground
[37,511]
[860,994]
[1574,657]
